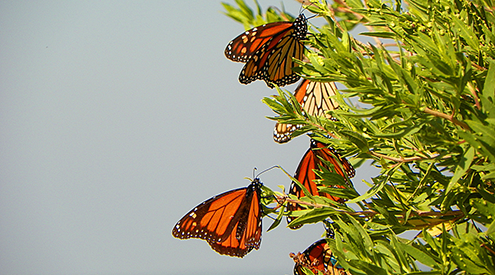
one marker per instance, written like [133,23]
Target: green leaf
[482,138]
[491,230]
[367,268]
[419,255]
[484,207]
[277,221]
[389,35]
[375,189]
[466,33]
[356,139]
[461,169]
[313,216]
[355,4]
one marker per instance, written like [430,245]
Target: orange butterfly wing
[306,176]
[329,154]
[315,99]
[268,51]
[317,257]
[247,233]
[229,222]
[241,48]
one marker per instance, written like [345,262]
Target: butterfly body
[268,51]
[229,222]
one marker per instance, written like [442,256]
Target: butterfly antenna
[312,16]
[309,3]
[303,3]
[266,170]
[254,172]
[302,8]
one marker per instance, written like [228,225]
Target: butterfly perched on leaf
[229,222]
[317,258]
[268,52]
[312,160]
[315,99]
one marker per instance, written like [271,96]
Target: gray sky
[116,119]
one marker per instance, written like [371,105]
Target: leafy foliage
[421,108]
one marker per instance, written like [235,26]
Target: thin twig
[488,248]
[401,159]
[448,117]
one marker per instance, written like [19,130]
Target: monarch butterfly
[268,51]
[306,176]
[315,99]
[229,222]
[317,257]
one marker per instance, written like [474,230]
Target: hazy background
[117,118]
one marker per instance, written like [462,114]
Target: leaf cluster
[418,103]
